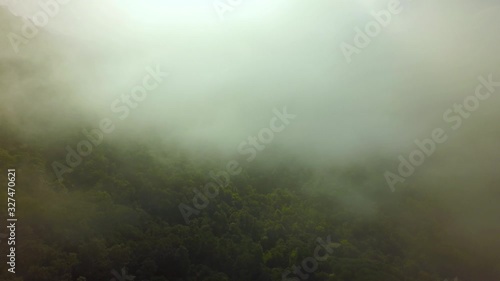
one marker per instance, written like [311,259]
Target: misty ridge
[261,92]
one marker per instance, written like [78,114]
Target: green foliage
[119,208]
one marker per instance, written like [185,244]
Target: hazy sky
[227,75]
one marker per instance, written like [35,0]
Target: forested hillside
[118,213]
[256,140]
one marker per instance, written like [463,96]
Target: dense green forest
[117,216]
[249,140]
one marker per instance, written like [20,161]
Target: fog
[227,75]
